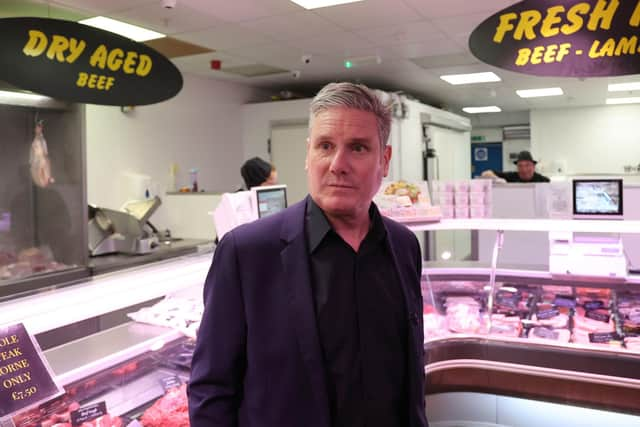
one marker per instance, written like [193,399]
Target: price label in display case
[25,376]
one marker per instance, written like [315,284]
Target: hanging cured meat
[39,159]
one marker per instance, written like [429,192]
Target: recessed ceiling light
[463,79]
[133,32]
[10,97]
[617,101]
[487,109]
[314,4]
[624,87]
[535,93]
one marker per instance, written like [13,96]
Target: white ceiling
[403,33]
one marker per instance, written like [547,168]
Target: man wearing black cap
[526,171]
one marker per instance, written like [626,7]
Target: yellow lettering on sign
[634,21]
[129,62]
[540,54]
[36,44]
[607,49]
[626,46]
[528,20]
[99,57]
[523,56]
[504,26]
[114,60]
[95,81]
[573,16]
[144,66]
[547,29]
[76,48]
[58,46]
[602,15]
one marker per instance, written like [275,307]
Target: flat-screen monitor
[597,198]
[269,200]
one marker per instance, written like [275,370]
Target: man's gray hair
[356,96]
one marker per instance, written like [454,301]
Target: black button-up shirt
[360,312]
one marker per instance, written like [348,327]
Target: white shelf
[587,226]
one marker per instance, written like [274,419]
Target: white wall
[259,117]
[594,139]
[200,128]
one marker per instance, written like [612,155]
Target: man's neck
[352,229]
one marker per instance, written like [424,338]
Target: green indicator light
[348,64]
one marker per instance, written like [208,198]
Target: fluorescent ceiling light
[624,87]
[463,79]
[476,110]
[314,4]
[616,101]
[535,93]
[13,97]
[133,32]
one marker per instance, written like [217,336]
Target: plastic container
[448,211]
[462,211]
[480,184]
[461,199]
[445,186]
[461,186]
[445,198]
[477,198]
[477,211]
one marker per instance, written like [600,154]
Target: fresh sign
[562,38]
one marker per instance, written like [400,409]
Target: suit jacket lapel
[295,262]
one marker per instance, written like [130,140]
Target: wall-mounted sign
[562,38]
[25,377]
[78,63]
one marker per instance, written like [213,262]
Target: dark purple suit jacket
[258,360]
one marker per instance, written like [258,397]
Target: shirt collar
[318,225]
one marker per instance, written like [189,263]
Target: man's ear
[386,154]
[306,159]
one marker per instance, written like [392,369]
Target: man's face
[345,161]
[526,170]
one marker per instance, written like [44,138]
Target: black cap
[255,171]
[524,155]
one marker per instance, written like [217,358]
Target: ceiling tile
[244,10]
[440,8]
[292,26]
[369,14]
[101,6]
[415,32]
[337,42]
[225,36]
[169,21]
[436,47]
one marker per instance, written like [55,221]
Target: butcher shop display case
[523,331]
[43,205]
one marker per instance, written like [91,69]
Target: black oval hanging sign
[562,38]
[77,63]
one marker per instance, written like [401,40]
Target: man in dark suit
[313,316]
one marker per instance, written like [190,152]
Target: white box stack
[464,198]
[480,198]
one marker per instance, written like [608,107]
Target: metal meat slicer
[124,231]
